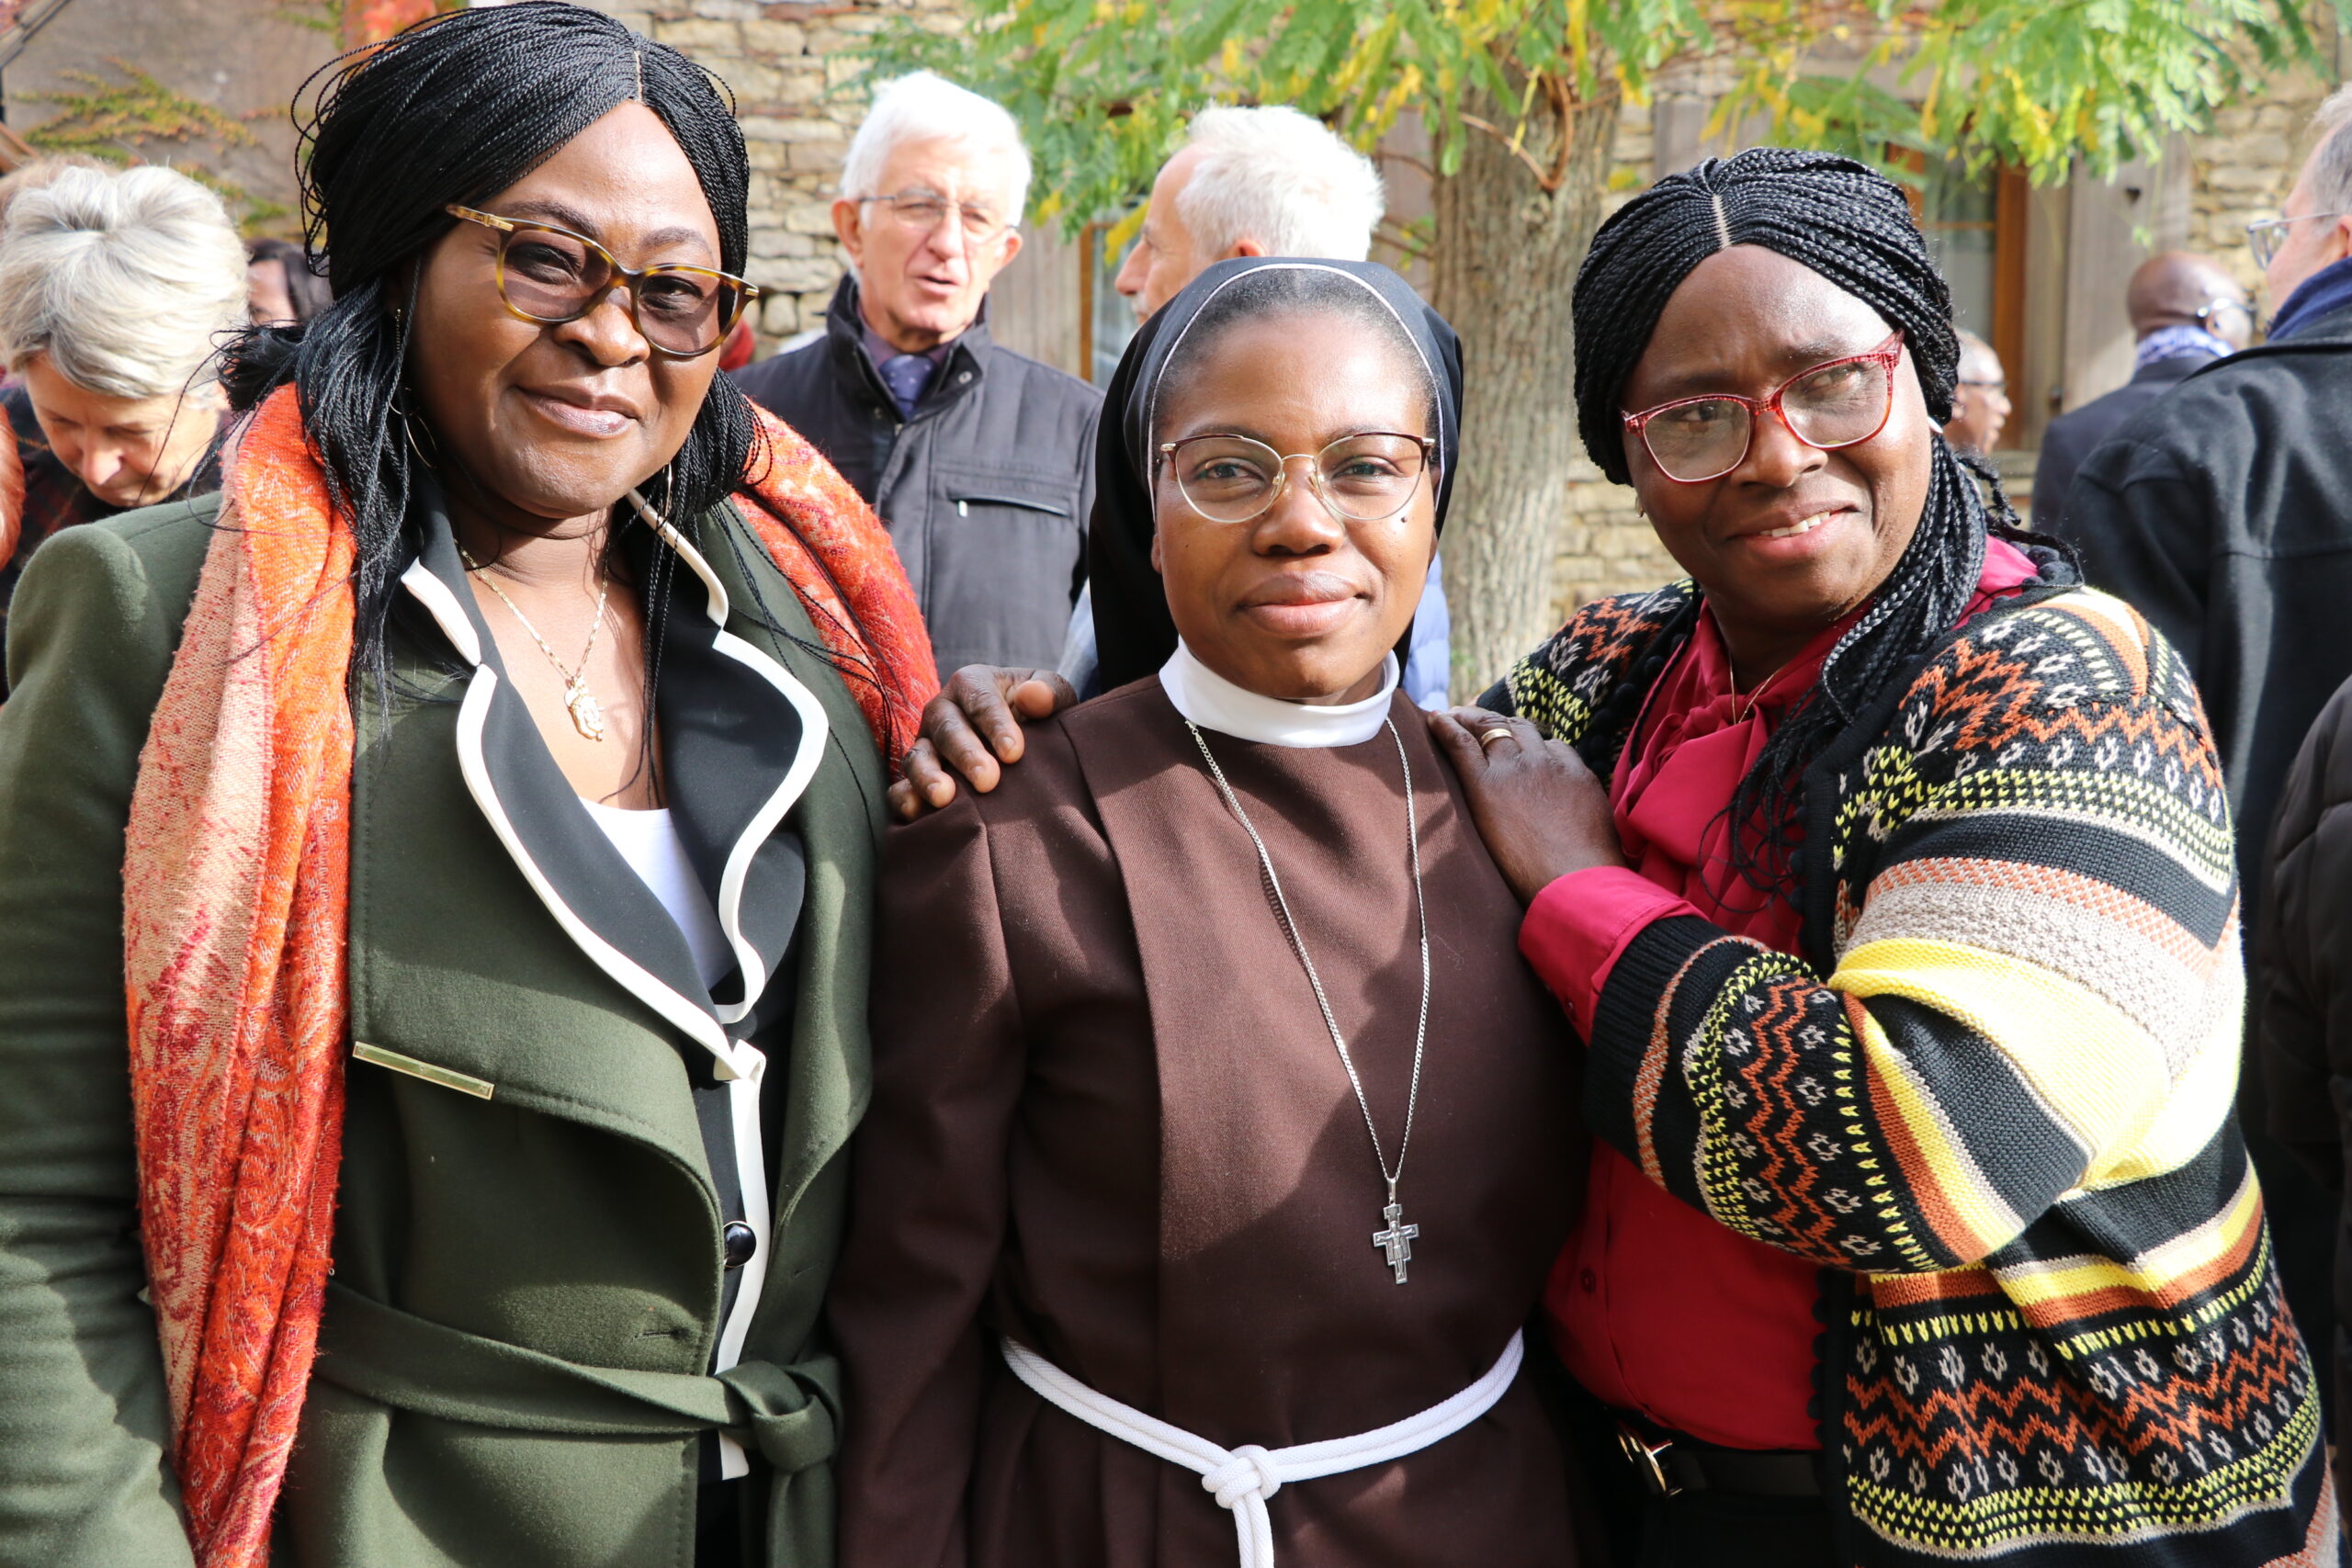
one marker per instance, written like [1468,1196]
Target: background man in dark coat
[977,458]
[2303,983]
[2185,311]
[2223,513]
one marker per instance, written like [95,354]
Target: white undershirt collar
[1211,701]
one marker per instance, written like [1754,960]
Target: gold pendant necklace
[587,714]
[579,702]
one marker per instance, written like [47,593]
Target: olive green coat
[538,1401]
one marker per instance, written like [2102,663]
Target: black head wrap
[1855,228]
[1847,223]
[1133,630]
[455,109]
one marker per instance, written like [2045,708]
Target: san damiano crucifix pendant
[1396,1241]
[587,715]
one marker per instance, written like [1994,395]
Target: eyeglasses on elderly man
[921,211]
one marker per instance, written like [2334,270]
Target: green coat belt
[514,1364]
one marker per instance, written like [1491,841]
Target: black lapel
[743,738]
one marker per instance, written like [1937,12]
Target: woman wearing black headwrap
[1222,1118]
[1889,881]
[435,884]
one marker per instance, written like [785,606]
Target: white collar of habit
[1211,701]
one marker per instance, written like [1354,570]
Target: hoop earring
[667,512]
[409,423]
[635,496]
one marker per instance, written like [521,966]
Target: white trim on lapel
[752,1175]
[693,1018]
[447,613]
[741,1062]
[814,731]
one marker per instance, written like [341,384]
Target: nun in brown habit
[1220,1141]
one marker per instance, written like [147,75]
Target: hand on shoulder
[1540,811]
[971,729]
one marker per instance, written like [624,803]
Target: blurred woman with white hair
[113,286]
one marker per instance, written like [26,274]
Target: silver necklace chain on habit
[1395,1238]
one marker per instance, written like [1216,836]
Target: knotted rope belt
[1242,1479]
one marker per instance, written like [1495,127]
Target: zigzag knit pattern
[1996,1107]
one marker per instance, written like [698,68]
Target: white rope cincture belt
[1242,1479]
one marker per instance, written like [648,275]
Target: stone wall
[2241,171]
[788,61]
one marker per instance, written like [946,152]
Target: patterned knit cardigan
[2003,1125]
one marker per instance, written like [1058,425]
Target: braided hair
[456,109]
[1855,228]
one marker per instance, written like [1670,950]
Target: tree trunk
[1507,253]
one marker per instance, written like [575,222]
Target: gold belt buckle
[1643,1456]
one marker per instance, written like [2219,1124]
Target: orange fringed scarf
[237,882]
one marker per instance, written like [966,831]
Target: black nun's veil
[1133,630]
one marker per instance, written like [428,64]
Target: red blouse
[1654,1307]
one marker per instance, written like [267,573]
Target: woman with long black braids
[475,807]
[1886,872]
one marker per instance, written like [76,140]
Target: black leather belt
[1669,1463]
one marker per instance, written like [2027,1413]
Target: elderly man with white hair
[978,458]
[1251,182]
[1261,181]
[114,285]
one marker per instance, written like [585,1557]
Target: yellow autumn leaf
[1120,236]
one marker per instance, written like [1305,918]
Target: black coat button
[738,1241]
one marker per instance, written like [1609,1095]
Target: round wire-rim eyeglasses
[1884,357]
[1317,482]
[733,293]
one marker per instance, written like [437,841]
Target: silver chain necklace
[1395,1239]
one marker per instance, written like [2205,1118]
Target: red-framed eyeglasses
[1839,402]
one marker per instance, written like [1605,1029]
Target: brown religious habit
[1108,1122]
